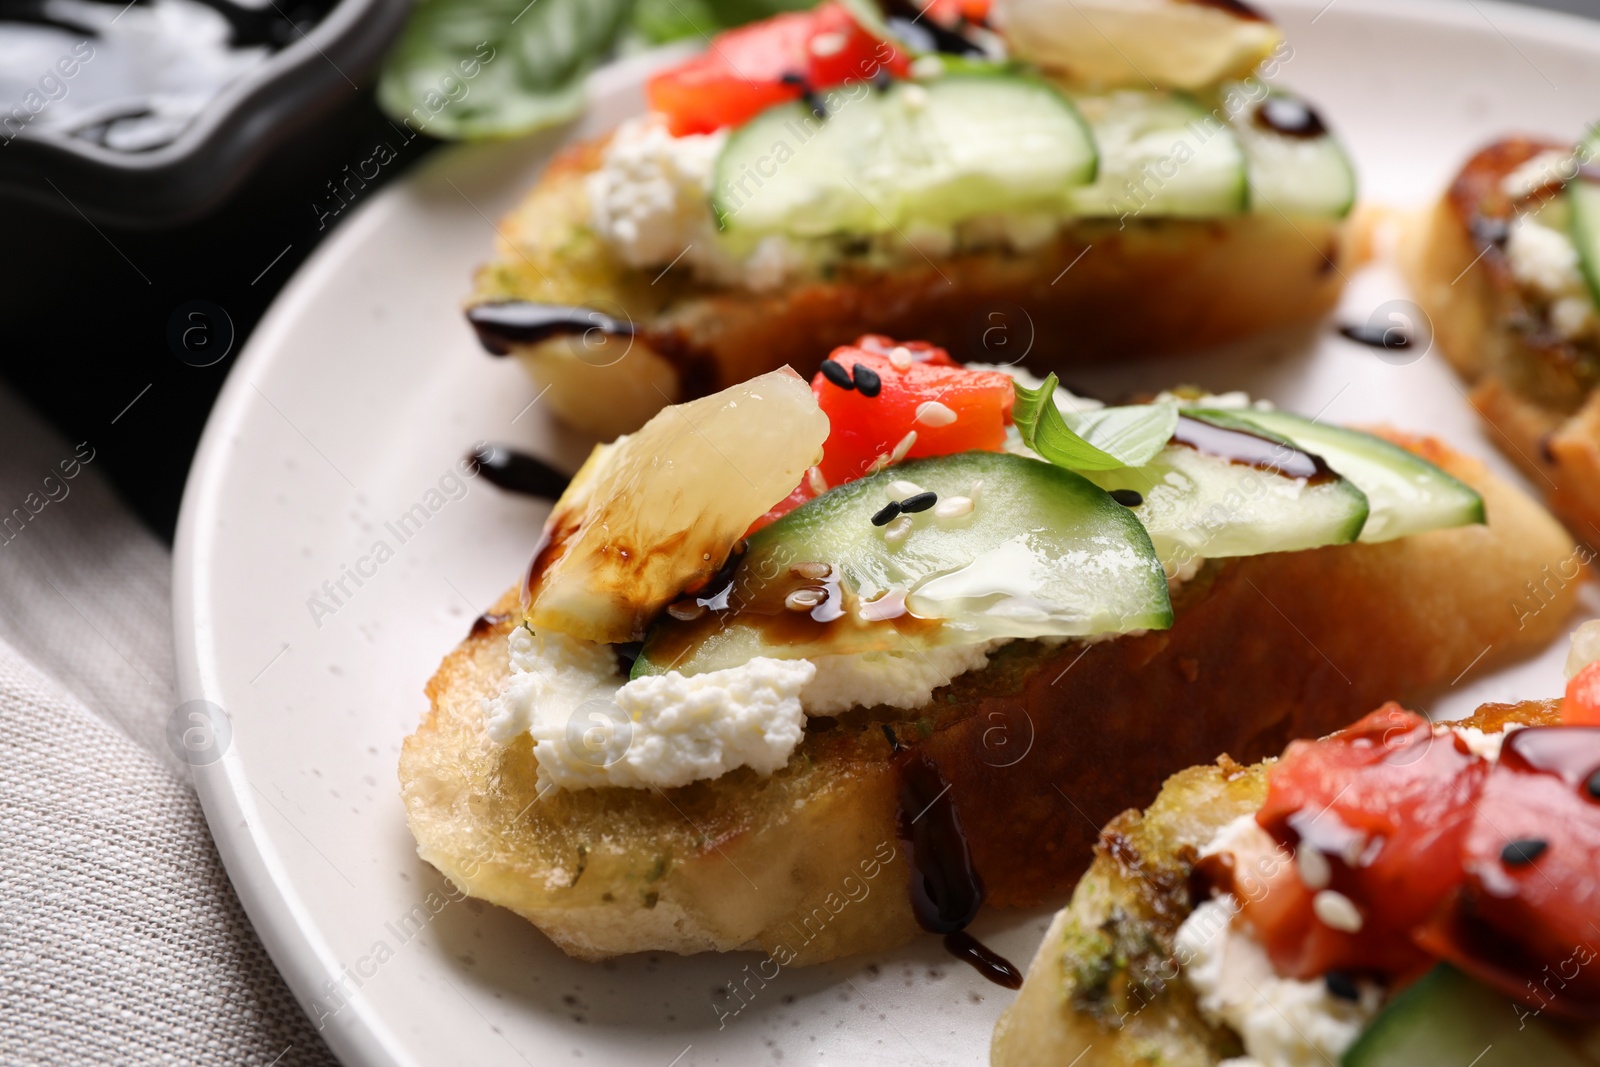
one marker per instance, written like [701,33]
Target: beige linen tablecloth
[121,940]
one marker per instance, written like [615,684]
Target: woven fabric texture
[121,940]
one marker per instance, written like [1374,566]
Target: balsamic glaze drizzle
[910,23]
[517,472]
[946,890]
[1235,7]
[1290,117]
[985,960]
[1242,446]
[1377,335]
[508,323]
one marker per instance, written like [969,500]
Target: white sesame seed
[953,507]
[804,599]
[1336,911]
[828,44]
[898,530]
[933,413]
[816,481]
[976,492]
[899,489]
[903,447]
[928,66]
[900,357]
[686,610]
[1315,870]
[915,96]
[813,572]
[878,464]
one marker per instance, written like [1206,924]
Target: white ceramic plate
[363,387]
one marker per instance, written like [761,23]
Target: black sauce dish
[187,98]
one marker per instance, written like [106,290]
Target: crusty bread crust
[1039,749]
[1536,389]
[1100,991]
[1103,290]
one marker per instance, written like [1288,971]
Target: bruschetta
[834,172]
[1507,268]
[812,667]
[1399,894]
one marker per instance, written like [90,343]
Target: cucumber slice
[1042,553]
[1203,506]
[1161,154]
[1304,174]
[788,171]
[1407,494]
[1582,196]
[1448,1020]
[961,145]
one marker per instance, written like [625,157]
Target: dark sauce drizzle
[517,472]
[502,325]
[1377,335]
[1241,446]
[923,34]
[946,891]
[1290,117]
[486,622]
[1233,7]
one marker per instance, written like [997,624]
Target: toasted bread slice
[1100,991]
[1103,289]
[1038,749]
[1535,388]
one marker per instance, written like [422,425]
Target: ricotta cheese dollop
[1545,262]
[592,728]
[1282,1022]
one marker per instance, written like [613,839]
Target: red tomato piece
[746,70]
[1388,803]
[841,51]
[949,408]
[1527,917]
[1581,705]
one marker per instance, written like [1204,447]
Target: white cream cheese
[891,679]
[1545,262]
[648,199]
[1282,1022]
[1585,648]
[590,728]
[593,728]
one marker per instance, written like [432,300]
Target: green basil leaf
[1098,440]
[495,68]
[664,21]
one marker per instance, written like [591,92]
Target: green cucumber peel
[1099,440]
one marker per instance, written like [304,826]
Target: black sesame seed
[867,380]
[920,502]
[890,512]
[836,374]
[1594,785]
[1341,985]
[1523,852]
[1128,498]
